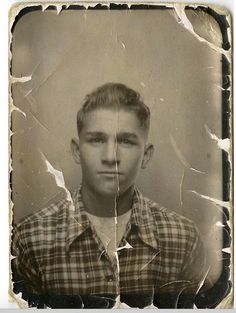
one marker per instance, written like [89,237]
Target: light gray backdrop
[178,76]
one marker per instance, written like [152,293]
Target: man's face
[112,149]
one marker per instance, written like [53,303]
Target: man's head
[115,97]
[113,126]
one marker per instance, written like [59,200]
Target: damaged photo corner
[120,155]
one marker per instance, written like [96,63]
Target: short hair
[114,96]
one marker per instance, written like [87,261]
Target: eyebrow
[95,133]
[119,135]
[127,135]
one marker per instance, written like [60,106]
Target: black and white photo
[121,156]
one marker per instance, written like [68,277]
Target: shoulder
[42,222]
[172,226]
[46,214]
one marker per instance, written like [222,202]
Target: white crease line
[126,246]
[180,11]
[22,79]
[223,144]
[181,188]
[181,157]
[14,108]
[217,202]
[59,178]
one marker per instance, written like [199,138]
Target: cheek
[133,160]
[89,155]
[87,161]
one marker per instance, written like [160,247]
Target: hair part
[117,97]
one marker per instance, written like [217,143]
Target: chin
[108,191]
[113,192]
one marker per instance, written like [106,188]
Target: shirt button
[109,278]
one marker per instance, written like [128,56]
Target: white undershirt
[110,230]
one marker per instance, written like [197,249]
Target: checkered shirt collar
[141,218]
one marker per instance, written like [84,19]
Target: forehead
[112,121]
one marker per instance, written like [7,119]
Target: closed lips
[111,173]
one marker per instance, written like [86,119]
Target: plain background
[5,121]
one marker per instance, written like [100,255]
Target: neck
[107,206]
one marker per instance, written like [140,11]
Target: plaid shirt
[59,253]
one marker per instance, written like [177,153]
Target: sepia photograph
[121,156]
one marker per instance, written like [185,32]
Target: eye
[96,140]
[126,141]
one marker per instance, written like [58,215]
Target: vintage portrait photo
[121,156]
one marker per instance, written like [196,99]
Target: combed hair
[114,96]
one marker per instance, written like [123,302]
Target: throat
[113,206]
[110,230]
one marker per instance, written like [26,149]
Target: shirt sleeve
[25,272]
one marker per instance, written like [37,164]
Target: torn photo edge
[225,143]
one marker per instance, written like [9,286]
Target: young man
[112,244]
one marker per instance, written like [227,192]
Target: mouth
[109,173]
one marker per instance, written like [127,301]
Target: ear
[148,153]
[74,145]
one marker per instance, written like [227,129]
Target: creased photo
[121,155]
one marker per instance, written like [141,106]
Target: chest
[87,269]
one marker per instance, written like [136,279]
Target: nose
[110,153]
